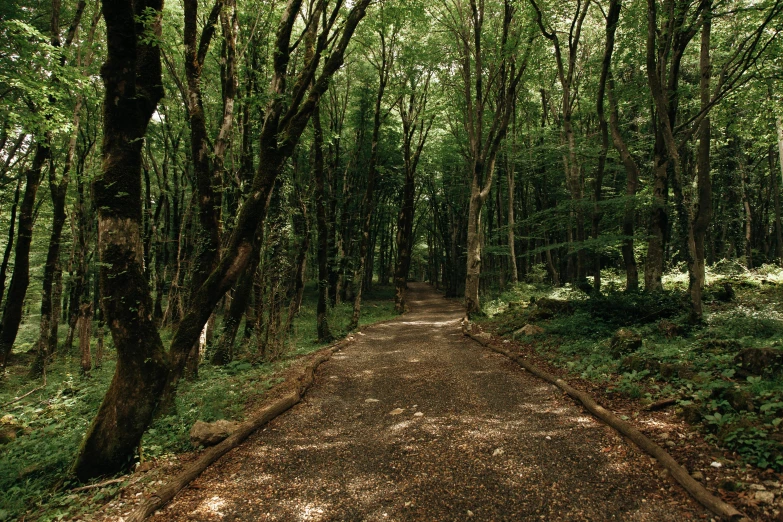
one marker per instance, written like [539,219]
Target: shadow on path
[415,422]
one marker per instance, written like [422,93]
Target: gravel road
[413,421]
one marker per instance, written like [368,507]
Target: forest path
[477,438]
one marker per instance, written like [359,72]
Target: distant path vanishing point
[413,421]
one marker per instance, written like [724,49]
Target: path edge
[276,408]
[680,474]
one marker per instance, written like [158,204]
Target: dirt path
[477,438]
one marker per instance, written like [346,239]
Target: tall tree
[491,71]
[132,78]
[566,74]
[416,125]
[382,60]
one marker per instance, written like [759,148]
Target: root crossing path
[415,422]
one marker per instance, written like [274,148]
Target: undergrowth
[726,374]
[47,426]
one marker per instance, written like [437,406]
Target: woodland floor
[415,422]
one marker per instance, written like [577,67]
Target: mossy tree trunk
[132,78]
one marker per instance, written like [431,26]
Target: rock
[685,372]
[11,429]
[498,452]
[761,361]
[720,345]
[396,411]
[211,433]
[716,464]
[697,475]
[682,371]
[7,434]
[484,336]
[691,413]
[624,342]
[670,329]
[740,400]
[670,443]
[418,414]
[764,497]
[556,306]
[547,308]
[529,329]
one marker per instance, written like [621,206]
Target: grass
[50,423]
[738,407]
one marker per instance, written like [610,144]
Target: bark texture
[132,77]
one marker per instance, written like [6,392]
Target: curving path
[415,422]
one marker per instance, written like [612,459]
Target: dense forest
[181,184]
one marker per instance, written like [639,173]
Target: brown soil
[415,422]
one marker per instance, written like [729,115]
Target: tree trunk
[776,187]
[414,127]
[611,25]
[10,244]
[472,278]
[99,346]
[85,334]
[631,186]
[659,221]
[208,180]
[132,77]
[322,325]
[302,231]
[511,178]
[78,286]
[47,342]
[703,210]
[744,180]
[20,277]
[404,241]
[384,70]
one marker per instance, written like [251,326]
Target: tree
[416,125]
[132,78]
[490,71]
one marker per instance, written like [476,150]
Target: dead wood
[680,474]
[99,484]
[663,404]
[161,497]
